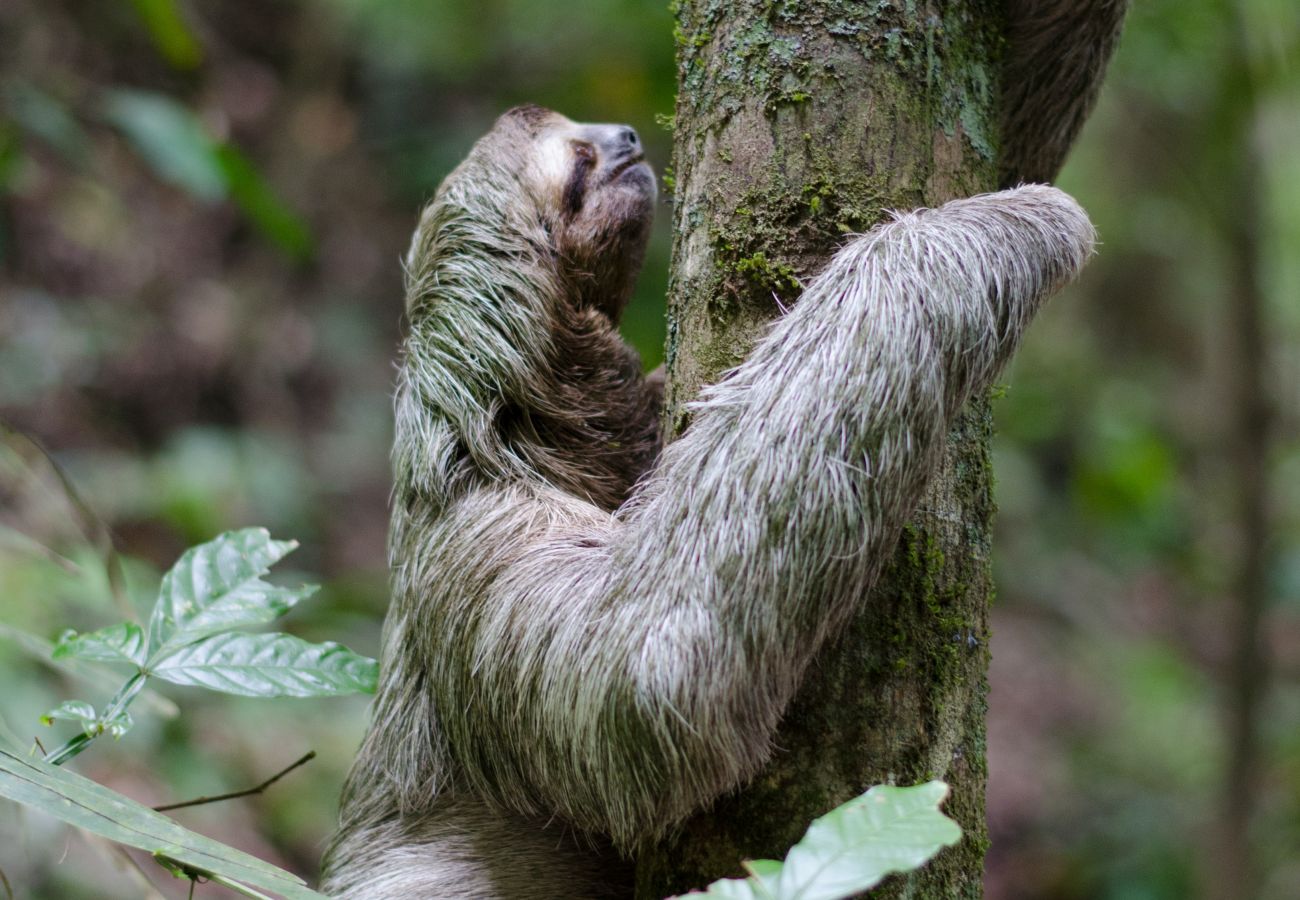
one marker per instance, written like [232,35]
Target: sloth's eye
[575,191]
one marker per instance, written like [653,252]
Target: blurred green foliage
[171,34]
[202,209]
[1119,536]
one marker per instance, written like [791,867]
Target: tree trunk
[796,123]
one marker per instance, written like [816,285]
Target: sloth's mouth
[625,165]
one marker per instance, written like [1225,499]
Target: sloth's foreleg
[623,669]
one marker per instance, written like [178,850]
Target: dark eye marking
[575,190]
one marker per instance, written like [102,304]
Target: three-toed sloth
[592,636]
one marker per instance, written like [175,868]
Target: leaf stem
[59,755]
[121,700]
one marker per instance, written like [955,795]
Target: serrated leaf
[121,643]
[852,848]
[74,711]
[268,665]
[217,586]
[93,807]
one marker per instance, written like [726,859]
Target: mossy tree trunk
[797,123]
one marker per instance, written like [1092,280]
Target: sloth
[593,635]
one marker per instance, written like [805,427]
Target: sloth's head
[579,196]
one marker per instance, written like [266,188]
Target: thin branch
[307,757]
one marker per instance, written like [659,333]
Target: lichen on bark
[798,123]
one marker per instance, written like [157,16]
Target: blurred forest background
[202,209]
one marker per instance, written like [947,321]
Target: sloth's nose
[616,142]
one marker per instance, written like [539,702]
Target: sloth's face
[597,196]
[595,172]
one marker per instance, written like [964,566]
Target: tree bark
[797,123]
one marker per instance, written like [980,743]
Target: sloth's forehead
[556,138]
[553,146]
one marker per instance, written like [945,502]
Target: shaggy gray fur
[567,672]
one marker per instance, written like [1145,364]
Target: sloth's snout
[617,143]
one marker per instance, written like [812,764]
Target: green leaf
[42,651]
[170,34]
[736,889]
[119,725]
[74,711]
[171,139]
[763,868]
[765,872]
[268,665]
[122,643]
[93,807]
[91,722]
[251,192]
[852,848]
[217,586]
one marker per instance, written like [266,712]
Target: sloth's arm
[622,669]
[1057,51]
